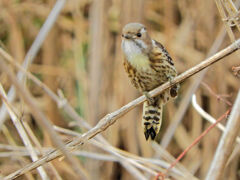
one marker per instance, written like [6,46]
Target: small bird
[148,65]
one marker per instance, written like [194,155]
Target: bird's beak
[126,36]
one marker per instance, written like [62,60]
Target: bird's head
[134,31]
[135,39]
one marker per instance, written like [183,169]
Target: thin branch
[111,118]
[218,96]
[226,143]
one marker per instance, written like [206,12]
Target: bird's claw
[149,98]
[174,89]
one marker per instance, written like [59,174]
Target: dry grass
[81,61]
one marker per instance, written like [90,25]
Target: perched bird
[148,65]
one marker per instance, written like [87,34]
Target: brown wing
[165,55]
[163,64]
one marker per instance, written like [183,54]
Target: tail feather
[150,132]
[152,112]
[152,118]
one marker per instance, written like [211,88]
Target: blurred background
[81,56]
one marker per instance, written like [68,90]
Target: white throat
[134,54]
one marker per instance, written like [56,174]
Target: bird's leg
[150,99]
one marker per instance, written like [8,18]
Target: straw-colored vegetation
[75,77]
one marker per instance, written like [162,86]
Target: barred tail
[152,118]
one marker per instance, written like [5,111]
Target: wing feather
[160,51]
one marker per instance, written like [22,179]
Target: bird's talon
[174,89]
[149,98]
[170,78]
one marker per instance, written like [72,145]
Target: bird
[148,65]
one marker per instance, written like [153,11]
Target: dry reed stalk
[96,57]
[112,117]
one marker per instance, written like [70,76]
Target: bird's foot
[150,99]
[174,89]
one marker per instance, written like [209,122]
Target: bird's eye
[139,34]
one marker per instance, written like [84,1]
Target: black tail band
[150,132]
